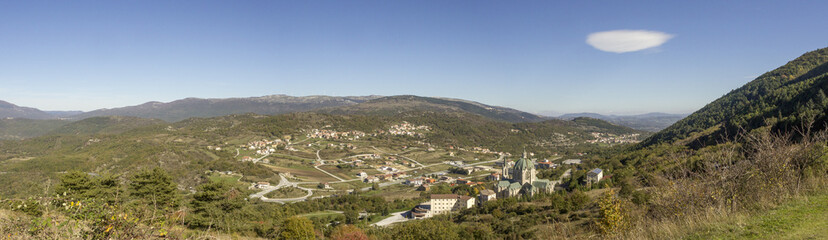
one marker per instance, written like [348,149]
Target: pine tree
[154,188]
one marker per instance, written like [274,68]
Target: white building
[487,195]
[595,175]
[444,203]
[572,161]
[414,182]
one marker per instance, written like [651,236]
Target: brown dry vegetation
[732,181]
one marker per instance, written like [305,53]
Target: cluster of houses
[333,134]
[342,146]
[382,177]
[408,129]
[614,139]
[424,182]
[264,144]
[262,147]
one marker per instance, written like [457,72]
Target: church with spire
[521,179]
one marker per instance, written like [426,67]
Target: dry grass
[732,184]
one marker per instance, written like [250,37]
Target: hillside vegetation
[789,97]
[390,106]
[20,128]
[121,145]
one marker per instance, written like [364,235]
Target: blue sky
[529,55]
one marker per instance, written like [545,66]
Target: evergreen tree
[215,204]
[154,188]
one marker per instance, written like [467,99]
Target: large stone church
[521,179]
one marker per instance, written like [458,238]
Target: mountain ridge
[10,110]
[401,103]
[789,97]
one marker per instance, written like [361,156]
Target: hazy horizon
[545,113]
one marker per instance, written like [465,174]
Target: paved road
[323,163]
[395,218]
[283,182]
[259,159]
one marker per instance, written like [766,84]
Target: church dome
[524,164]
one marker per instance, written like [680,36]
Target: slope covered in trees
[405,103]
[787,98]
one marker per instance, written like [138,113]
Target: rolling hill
[393,105]
[197,107]
[783,100]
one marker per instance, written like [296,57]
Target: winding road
[284,182]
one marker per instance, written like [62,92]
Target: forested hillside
[394,105]
[787,98]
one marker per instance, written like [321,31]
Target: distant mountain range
[9,110]
[198,107]
[651,122]
[279,104]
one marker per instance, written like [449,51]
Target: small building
[261,185]
[414,181]
[572,161]
[547,165]
[486,195]
[461,181]
[421,211]
[425,187]
[371,179]
[493,177]
[595,175]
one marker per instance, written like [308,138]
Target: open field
[229,179]
[288,192]
[345,173]
[303,172]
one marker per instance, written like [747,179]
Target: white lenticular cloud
[621,41]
